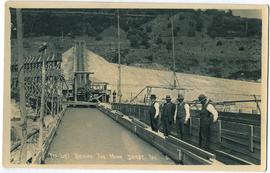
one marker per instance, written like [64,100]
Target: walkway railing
[236,135]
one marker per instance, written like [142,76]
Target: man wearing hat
[114,96]
[154,113]
[182,115]
[167,115]
[208,114]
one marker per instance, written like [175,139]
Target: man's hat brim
[168,98]
[153,96]
[180,97]
[202,97]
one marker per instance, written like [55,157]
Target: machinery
[83,89]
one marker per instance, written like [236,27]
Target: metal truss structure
[33,82]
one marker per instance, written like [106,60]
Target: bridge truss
[33,83]
[43,86]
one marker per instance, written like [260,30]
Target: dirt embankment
[134,79]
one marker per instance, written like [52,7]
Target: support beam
[75,69]
[52,102]
[173,54]
[43,101]
[219,131]
[119,59]
[257,103]
[23,123]
[250,138]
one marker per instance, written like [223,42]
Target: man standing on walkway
[114,96]
[167,115]
[154,113]
[182,115]
[208,114]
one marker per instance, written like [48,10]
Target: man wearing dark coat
[182,116]
[208,115]
[114,96]
[167,115]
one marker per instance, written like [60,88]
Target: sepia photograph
[150,86]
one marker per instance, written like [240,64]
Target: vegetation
[219,43]
[210,42]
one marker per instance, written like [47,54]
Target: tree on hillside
[191,32]
[98,38]
[145,42]
[134,41]
[199,12]
[148,29]
[169,46]
[214,12]
[123,53]
[181,17]
[91,32]
[229,13]
[216,28]
[215,71]
[219,43]
[159,40]
[199,24]
[150,58]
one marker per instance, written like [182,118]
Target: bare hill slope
[135,79]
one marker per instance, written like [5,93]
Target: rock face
[134,79]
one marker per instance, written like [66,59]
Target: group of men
[179,114]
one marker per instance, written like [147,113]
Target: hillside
[212,43]
[134,79]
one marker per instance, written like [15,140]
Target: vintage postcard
[135,86]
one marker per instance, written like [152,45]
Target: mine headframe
[81,85]
[84,89]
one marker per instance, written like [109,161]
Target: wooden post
[174,73]
[119,92]
[180,155]
[85,79]
[43,101]
[61,96]
[79,76]
[56,104]
[58,96]
[139,114]
[190,126]
[134,110]
[250,138]
[59,102]
[52,102]
[75,69]
[219,131]
[62,36]
[199,120]
[257,103]
[23,123]
[37,105]
[75,87]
